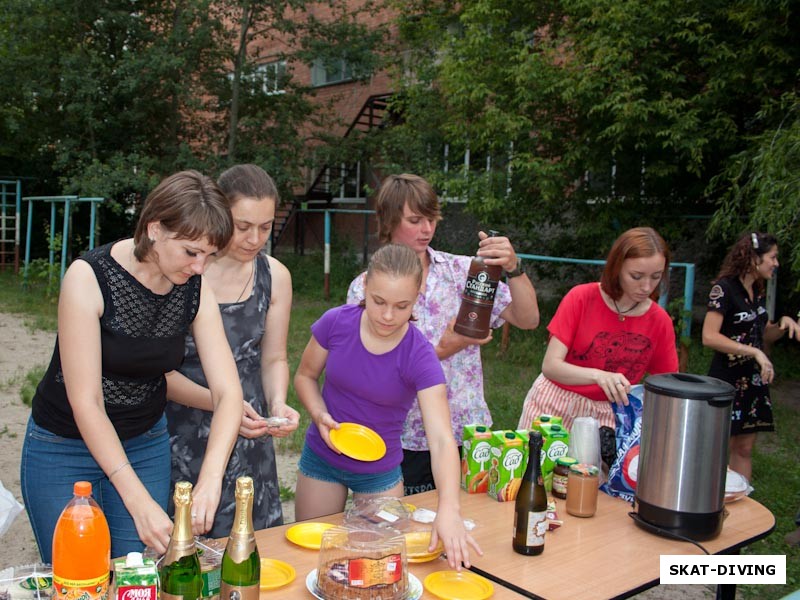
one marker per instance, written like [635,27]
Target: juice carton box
[475,459]
[555,445]
[537,423]
[525,436]
[507,465]
[135,578]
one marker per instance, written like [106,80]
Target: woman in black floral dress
[255,295]
[736,327]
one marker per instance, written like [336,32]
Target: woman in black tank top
[125,310]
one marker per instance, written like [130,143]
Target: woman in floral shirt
[407,208]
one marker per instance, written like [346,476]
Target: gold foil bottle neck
[181,541]
[244,488]
[183,493]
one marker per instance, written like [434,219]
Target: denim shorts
[51,464]
[311,465]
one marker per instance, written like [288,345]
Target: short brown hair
[639,242]
[191,206]
[394,193]
[247,181]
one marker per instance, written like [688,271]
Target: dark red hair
[639,242]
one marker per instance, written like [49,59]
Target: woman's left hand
[497,250]
[286,412]
[205,500]
[449,528]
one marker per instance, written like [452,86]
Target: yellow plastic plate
[359,442]
[275,573]
[307,535]
[417,547]
[458,585]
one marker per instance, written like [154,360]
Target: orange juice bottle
[81,548]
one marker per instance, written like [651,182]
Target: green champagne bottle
[180,574]
[241,565]
[530,508]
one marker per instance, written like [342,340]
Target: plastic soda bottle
[81,548]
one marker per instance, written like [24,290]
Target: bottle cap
[555,427]
[584,470]
[82,488]
[510,435]
[480,428]
[134,559]
[544,418]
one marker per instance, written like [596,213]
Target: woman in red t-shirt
[605,336]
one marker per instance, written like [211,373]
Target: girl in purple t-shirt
[375,364]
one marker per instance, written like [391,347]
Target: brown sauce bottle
[477,299]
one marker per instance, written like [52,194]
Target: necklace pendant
[621,317]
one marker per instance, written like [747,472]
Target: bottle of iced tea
[81,548]
[477,299]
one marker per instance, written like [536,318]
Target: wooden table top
[605,556]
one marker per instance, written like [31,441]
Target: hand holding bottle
[205,501]
[497,250]
[452,342]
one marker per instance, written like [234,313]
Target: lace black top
[142,338]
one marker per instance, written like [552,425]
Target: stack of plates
[417,543]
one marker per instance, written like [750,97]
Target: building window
[329,72]
[271,76]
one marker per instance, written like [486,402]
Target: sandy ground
[20,351]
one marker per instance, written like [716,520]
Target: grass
[508,375]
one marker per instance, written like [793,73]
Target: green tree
[609,113]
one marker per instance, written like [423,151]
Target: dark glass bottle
[530,509]
[241,565]
[180,574]
[477,299]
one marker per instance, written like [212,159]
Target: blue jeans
[51,464]
[313,466]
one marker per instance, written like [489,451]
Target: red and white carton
[135,578]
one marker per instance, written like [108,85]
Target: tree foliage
[105,98]
[610,113]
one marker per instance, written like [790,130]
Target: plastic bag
[624,470]
[9,509]
[27,582]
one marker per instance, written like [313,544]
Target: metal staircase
[331,177]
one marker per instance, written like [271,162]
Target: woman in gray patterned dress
[255,296]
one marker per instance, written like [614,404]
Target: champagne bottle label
[239,592]
[536,528]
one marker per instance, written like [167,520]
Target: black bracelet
[515,273]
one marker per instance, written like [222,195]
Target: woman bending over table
[375,364]
[255,295]
[736,327]
[124,312]
[605,336]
